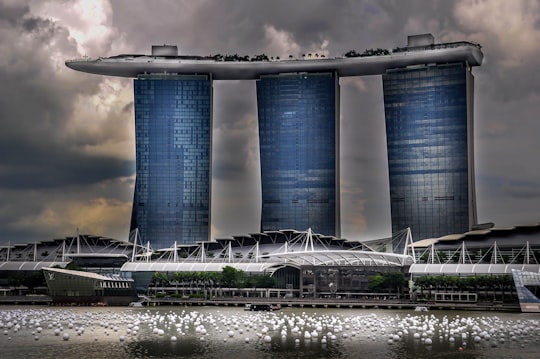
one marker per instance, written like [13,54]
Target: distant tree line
[259,57]
[368,52]
[204,282]
[391,281]
[236,57]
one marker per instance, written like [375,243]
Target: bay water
[230,332]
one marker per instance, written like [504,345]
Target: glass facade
[352,281]
[173,130]
[527,288]
[299,152]
[429,137]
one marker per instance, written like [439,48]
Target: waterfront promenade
[335,303]
[290,302]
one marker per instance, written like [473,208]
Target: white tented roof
[272,262]
[482,268]
[198,267]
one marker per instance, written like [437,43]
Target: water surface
[230,332]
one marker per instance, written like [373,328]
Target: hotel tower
[428,102]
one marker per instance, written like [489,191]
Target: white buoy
[65,336]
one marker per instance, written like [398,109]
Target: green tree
[159,279]
[420,282]
[429,282]
[233,277]
[351,53]
[265,281]
[376,283]
[394,280]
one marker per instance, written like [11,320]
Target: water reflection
[225,332]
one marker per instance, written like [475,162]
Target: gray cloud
[235,130]
[67,137]
[42,160]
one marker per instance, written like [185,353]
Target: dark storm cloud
[12,12]
[44,158]
[52,151]
[60,170]
[36,102]
[240,26]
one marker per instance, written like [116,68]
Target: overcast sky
[67,152]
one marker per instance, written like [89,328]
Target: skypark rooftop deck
[159,63]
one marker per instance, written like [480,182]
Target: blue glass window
[298,149]
[173,147]
[427,137]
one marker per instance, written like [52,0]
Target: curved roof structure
[199,267]
[464,269]
[266,253]
[135,65]
[273,262]
[503,236]
[486,251]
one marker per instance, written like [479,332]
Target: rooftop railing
[448,45]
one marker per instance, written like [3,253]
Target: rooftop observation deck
[167,62]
